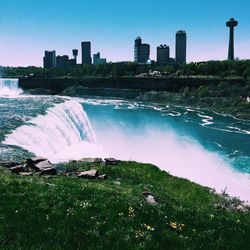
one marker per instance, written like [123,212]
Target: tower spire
[231,24]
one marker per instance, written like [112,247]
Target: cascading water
[64,133]
[9,87]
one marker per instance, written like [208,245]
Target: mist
[179,155]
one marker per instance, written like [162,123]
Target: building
[181,47]
[163,54]
[49,59]
[98,60]
[231,24]
[64,62]
[75,54]
[86,53]
[141,51]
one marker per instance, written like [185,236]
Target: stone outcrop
[91,174]
[19,169]
[91,160]
[41,165]
[111,161]
[8,164]
[150,198]
[31,165]
[35,160]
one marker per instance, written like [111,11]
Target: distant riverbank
[172,84]
[222,95]
[238,107]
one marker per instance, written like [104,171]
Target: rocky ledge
[42,166]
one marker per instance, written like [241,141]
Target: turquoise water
[224,135]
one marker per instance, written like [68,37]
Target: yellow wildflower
[173,225]
[149,227]
[131,212]
[176,226]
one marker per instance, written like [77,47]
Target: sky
[29,27]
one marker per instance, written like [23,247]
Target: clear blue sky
[28,27]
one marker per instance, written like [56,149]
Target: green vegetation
[225,97]
[65,212]
[210,68]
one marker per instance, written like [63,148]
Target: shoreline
[151,97]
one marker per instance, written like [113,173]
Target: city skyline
[141,54]
[28,29]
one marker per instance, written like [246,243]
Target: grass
[70,213]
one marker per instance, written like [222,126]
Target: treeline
[218,68]
[224,98]
[105,70]
[210,68]
[223,89]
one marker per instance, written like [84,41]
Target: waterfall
[63,133]
[9,87]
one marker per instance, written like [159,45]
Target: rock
[8,164]
[35,160]
[102,177]
[111,161]
[42,165]
[91,174]
[150,198]
[243,208]
[98,160]
[25,173]
[91,160]
[50,171]
[18,169]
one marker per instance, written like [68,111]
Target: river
[207,148]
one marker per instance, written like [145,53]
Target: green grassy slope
[70,213]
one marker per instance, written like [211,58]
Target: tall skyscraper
[181,47]
[163,53]
[86,53]
[231,24]
[141,51]
[49,59]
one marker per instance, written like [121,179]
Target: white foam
[63,133]
[9,88]
[238,130]
[207,120]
